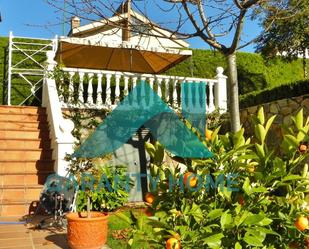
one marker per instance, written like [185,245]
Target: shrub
[267,211]
[271,94]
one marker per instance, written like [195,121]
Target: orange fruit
[241,200]
[301,223]
[302,148]
[193,179]
[149,198]
[172,243]
[208,134]
[148,212]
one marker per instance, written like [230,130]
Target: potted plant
[100,191]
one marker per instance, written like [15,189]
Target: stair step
[30,125]
[20,195]
[19,208]
[24,144]
[22,117]
[26,166]
[25,155]
[23,134]
[24,179]
[22,109]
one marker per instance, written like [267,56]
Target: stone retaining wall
[284,109]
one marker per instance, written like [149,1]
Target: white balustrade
[165,86]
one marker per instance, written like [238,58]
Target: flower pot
[87,233]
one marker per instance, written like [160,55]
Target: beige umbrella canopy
[119,58]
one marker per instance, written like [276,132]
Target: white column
[71,88]
[220,91]
[126,85]
[117,89]
[99,90]
[134,81]
[81,88]
[90,89]
[159,82]
[211,106]
[166,92]
[108,89]
[174,95]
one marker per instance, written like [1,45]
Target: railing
[87,88]
[60,128]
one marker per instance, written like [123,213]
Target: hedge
[254,73]
[294,89]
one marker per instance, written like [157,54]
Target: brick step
[24,144]
[22,109]
[23,134]
[18,208]
[26,166]
[23,178]
[10,195]
[25,155]
[30,125]
[22,117]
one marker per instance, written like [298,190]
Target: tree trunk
[305,64]
[233,92]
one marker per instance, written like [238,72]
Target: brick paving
[25,236]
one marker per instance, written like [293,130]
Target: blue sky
[35,18]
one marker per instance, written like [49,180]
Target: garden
[248,195]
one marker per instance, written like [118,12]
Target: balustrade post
[81,88]
[117,88]
[159,82]
[174,95]
[211,106]
[108,89]
[90,90]
[71,88]
[220,91]
[99,90]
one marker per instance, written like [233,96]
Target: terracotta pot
[87,233]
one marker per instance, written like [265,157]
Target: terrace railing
[97,89]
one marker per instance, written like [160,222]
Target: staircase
[25,158]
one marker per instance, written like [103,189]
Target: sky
[35,18]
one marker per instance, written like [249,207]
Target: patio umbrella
[121,57]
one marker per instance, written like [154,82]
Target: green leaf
[260,115]
[226,219]
[291,140]
[265,222]
[291,178]
[150,149]
[238,246]
[246,186]
[123,217]
[299,119]
[196,212]
[260,133]
[242,218]
[213,214]
[260,150]
[254,219]
[254,238]
[214,240]
[159,155]
[269,123]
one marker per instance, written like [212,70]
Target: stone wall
[284,109]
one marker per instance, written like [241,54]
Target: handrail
[60,128]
